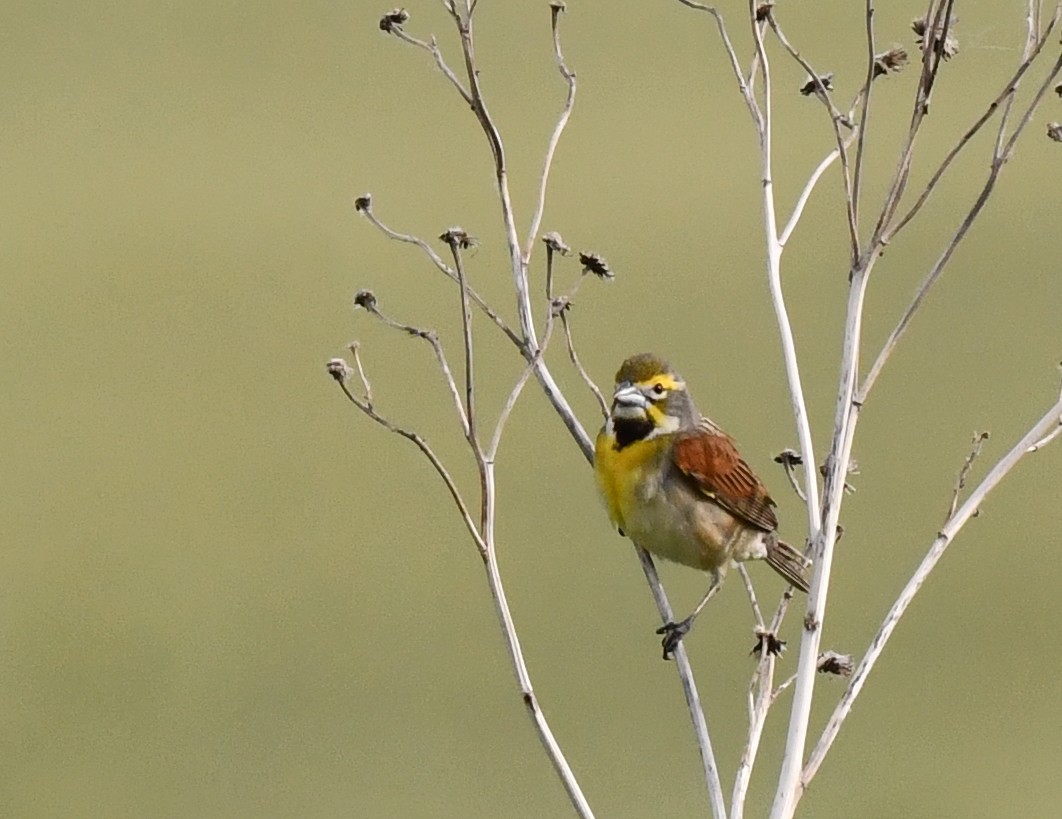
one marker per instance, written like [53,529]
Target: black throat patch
[629,432]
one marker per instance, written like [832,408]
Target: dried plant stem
[558,131]
[995,169]
[823,541]
[836,119]
[366,407]
[864,114]
[512,642]
[938,21]
[530,350]
[947,534]
[761,697]
[689,689]
[436,260]
[602,405]
[774,279]
[1004,96]
[809,187]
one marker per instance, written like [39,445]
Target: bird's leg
[674,632]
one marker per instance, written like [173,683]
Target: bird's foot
[673,634]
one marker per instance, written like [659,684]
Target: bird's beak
[628,403]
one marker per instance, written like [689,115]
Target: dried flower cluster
[393,20]
[593,263]
[944,41]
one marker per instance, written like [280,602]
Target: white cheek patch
[665,425]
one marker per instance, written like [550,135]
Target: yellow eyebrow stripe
[669,382]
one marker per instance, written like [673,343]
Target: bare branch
[735,66]
[556,8]
[355,349]
[689,689]
[977,442]
[1051,435]
[864,115]
[601,403]
[751,591]
[960,233]
[432,47]
[363,204]
[340,371]
[457,239]
[1007,93]
[947,534]
[789,461]
[367,301]
[798,209]
[836,119]
[774,281]
[939,21]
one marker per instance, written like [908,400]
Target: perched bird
[675,484]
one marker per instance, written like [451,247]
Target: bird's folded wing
[709,458]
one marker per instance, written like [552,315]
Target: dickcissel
[675,484]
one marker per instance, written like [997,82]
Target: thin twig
[864,115]
[367,301]
[364,206]
[977,443]
[947,534]
[735,65]
[836,119]
[967,222]
[355,351]
[601,403]
[760,701]
[1009,88]
[432,47]
[366,407]
[466,332]
[689,689]
[1051,435]
[932,56]
[556,8]
[774,281]
[798,209]
[751,591]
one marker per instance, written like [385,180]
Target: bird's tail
[789,563]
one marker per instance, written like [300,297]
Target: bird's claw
[673,634]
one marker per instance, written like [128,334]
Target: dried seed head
[890,62]
[1058,89]
[830,662]
[339,369]
[363,204]
[593,263]
[763,11]
[393,19]
[561,304]
[948,47]
[558,5]
[789,457]
[1054,131]
[811,86]
[555,243]
[769,642]
[365,299]
[457,237]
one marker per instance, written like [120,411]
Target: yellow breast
[623,474]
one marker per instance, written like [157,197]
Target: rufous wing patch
[711,460]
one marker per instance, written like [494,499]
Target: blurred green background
[227,594]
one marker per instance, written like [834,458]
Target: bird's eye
[658,389]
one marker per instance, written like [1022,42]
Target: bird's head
[650,400]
